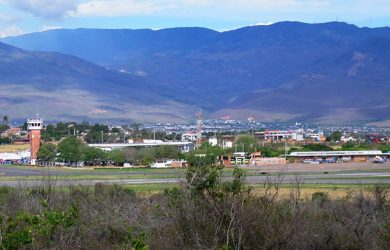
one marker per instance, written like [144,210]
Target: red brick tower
[34,126]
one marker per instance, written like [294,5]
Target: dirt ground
[13,148]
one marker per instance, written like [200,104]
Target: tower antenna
[199,127]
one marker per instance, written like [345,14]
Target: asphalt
[328,175]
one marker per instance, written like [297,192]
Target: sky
[25,16]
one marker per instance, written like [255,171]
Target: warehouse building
[337,156]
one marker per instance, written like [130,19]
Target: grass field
[306,190]
[334,191]
[13,148]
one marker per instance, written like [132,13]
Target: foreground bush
[204,212]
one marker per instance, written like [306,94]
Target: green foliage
[320,197]
[4,191]
[146,156]
[170,152]
[3,127]
[350,146]
[26,228]
[117,156]
[203,177]
[95,137]
[56,132]
[270,152]
[384,147]
[335,136]
[206,148]
[24,126]
[94,155]
[316,147]
[5,120]
[135,242]
[71,149]
[5,140]
[199,161]
[247,143]
[386,235]
[236,186]
[47,152]
[95,134]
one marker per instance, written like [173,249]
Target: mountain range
[329,72]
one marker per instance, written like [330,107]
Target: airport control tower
[34,127]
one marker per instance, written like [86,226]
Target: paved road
[369,178]
[29,171]
[352,175]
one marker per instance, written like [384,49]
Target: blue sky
[23,16]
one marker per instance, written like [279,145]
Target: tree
[206,148]
[3,127]
[47,152]
[70,149]
[317,147]
[94,155]
[147,155]
[24,126]
[270,152]
[95,137]
[247,143]
[5,140]
[5,120]
[335,136]
[118,157]
[165,151]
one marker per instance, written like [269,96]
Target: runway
[286,174]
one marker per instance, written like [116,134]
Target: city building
[192,136]
[12,132]
[15,158]
[315,136]
[213,141]
[280,135]
[335,156]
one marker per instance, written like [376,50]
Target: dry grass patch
[13,148]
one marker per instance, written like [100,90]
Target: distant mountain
[62,87]
[289,70]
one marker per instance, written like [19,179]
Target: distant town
[160,145]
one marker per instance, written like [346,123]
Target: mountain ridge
[287,70]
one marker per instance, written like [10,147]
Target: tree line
[72,150]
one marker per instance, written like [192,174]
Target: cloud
[50,9]
[263,24]
[48,27]
[116,8]
[12,30]
[140,7]
[9,19]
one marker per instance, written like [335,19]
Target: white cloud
[51,9]
[263,24]
[116,8]
[10,31]
[8,18]
[140,7]
[48,27]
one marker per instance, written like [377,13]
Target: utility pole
[285,150]
[102,136]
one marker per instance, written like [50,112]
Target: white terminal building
[192,136]
[278,135]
